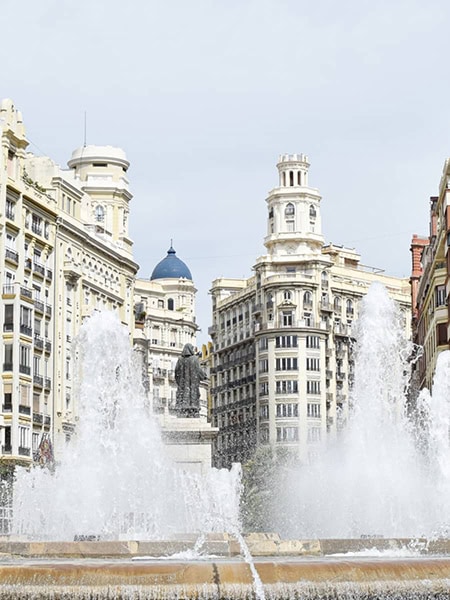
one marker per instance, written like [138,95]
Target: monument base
[189,441]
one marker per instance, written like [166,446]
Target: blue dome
[171,267]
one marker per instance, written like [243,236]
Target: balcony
[340,376]
[47,420]
[24,410]
[7,407]
[7,366]
[49,274]
[48,346]
[8,327]
[9,290]
[6,449]
[24,369]
[24,451]
[28,264]
[38,268]
[26,293]
[326,306]
[26,330]
[47,383]
[257,308]
[12,255]
[38,380]
[38,341]
[39,306]
[48,310]
[38,418]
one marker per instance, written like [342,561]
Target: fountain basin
[289,577]
[224,545]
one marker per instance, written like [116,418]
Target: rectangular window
[313,387]
[264,388]
[10,209]
[7,446]
[8,324]
[312,364]
[286,386]
[313,410]
[287,410]
[263,365]
[7,397]
[36,225]
[8,357]
[263,343]
[287,434]
[312,341]
[286,341]
[23,437]
[25,395]
[286,364]
[286,319]
[264,411]
[440,295]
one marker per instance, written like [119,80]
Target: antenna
[85,128]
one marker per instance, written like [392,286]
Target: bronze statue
[188,375]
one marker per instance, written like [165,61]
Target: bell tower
[294,225]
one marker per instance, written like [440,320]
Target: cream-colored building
[165,312]
[165,322]
[65,252]
[282,361]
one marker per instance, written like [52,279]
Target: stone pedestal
[189,441]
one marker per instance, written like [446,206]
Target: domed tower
[101,170]
[171,267]
[294,225]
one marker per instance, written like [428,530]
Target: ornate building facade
[165,313]
[430,276]
[64,252]
[282,363]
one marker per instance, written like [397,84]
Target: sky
[204,96]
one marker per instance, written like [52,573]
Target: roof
[171,267]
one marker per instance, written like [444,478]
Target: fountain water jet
[115,479]
[374,480]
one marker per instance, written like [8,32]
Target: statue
[188,375]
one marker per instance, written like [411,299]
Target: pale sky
[204,95]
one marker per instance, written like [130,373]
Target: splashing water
[115,480]
[375,480]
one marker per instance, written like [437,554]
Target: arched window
[307,299]
[289,211]
[287,295]
[349,307]
[337,304]
[312,212]
[324,279]
[99,214]
[170,303]
[299,180]
[291,178]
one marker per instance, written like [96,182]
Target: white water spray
[115,480]
[375,481]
